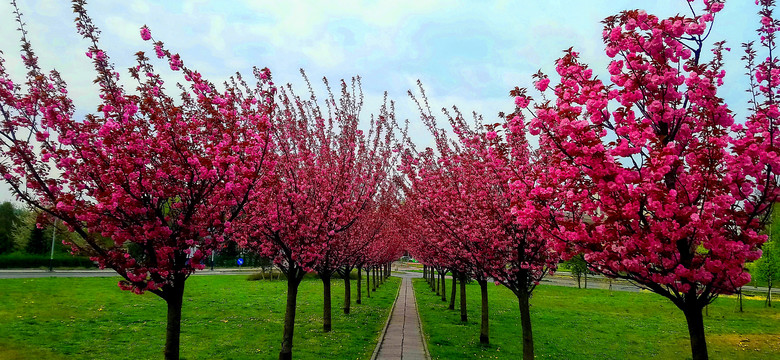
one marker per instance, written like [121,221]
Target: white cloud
[126,30]
[47,8]
[325,52]
[140,6]
[216,37]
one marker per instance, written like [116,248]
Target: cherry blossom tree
[447,194]
[327,172]
[375,229]
[147,182]
[372,229]
[510,175]
[659,185]
[431,249]
[488,170]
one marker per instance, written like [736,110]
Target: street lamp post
[51,255]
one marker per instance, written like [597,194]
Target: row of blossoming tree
[153,183]
[648,175]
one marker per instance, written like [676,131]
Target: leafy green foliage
[36,243]
[578,268]
[767,268]
[17,260]
[8,219]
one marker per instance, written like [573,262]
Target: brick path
[403,337]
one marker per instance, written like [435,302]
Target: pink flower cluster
[313,215]
[475,203]
[664,189]
[146,182]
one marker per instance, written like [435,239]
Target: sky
[466,53]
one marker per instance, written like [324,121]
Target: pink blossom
[145,33]
[175,62]
[521,101]
[542,84]
[159,51]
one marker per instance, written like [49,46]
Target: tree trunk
[374,277]
[174,296]
[326,309]
[739,294]
[769,293]
[579,282]
[359,291]
[443,287]
[436,281]
[586,279]
[294,278]
[368,282]
[696,332]
[347,292]
[525,322]
[463,314]
[484,330]
[452,295]
[425,272]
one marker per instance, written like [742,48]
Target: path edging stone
[419,320]
[387,323]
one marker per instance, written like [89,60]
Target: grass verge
[570,323]
[224,317]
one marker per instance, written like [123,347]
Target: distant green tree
[767,268]
[36,244]
[20,233]
[27,222]
[8,219]
[579,268]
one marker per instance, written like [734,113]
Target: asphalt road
[34,273]
[559,279]
[563,278]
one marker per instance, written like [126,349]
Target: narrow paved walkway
[403,337]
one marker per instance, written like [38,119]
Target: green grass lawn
[224,317]
[570,323]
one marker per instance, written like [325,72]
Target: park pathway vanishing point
[403,336]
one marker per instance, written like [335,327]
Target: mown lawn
[224,317]
[570,323]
